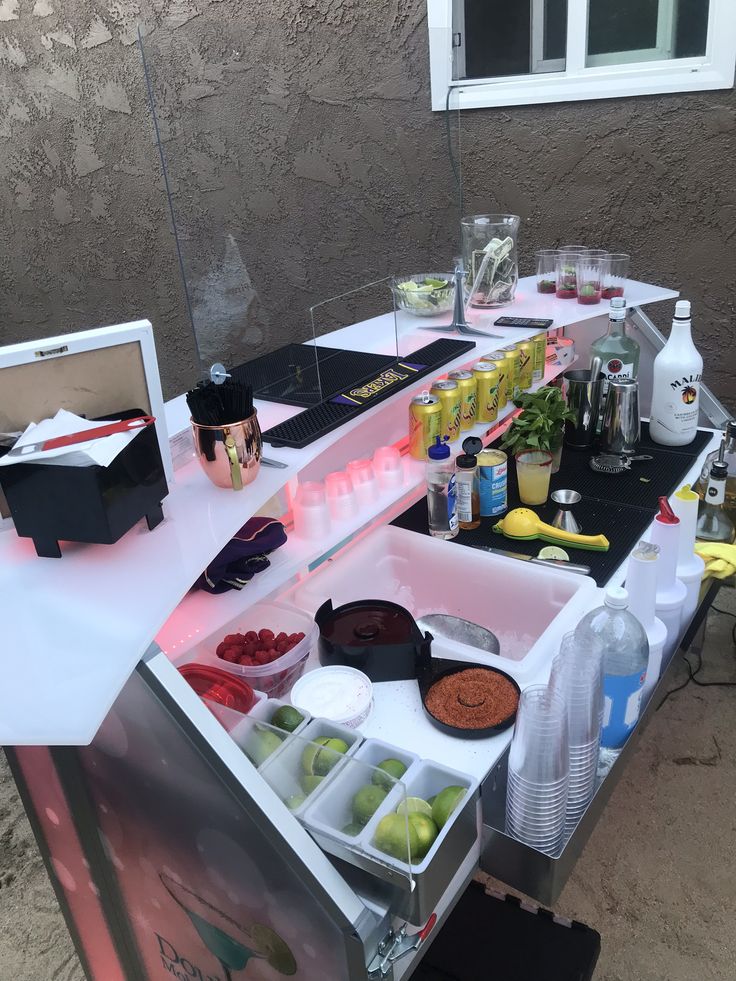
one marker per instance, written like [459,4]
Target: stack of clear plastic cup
[388,467]
[311,513]
[577,677]
[538,772]
[364,481]
[341,498]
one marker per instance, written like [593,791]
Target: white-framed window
[521,52]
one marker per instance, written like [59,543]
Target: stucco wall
[304,160]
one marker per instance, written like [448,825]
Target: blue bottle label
[622,693]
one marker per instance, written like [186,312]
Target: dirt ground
[656,878]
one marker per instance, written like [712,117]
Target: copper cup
[229,455]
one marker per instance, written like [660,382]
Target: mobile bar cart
[169,852]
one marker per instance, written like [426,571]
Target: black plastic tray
[619,506]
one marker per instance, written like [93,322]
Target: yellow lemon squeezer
[522,523]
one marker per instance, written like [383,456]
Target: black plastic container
[96,505]
[431,670]
[380,639]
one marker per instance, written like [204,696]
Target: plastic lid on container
[682,310]
[616,597]
[219,686]
[719,470]
[439,450]
[666,515]
[338,693]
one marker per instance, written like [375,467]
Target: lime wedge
[409,286]
[554,552]
[414,805]
[437,284]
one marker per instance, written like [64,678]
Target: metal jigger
[459,323]
[565,519]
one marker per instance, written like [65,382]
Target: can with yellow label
[512,352]
[510,356]
[448,393]
[425,423]
[540,356]
[525,378]
[468,397]
[487,378]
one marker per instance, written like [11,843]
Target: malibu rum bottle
[678,369]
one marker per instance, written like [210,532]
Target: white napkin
[99,452]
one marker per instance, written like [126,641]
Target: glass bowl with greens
[424,294]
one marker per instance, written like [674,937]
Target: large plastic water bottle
[625,657]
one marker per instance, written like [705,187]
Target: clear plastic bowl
[425,300]
[277,678]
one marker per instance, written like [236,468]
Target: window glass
[502,38]
[645,30]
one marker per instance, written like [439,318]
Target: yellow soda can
[448,393]
[468,397]
[540,356]
[525,378]
[425,423]
[487,378]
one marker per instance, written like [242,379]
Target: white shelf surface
[75,627]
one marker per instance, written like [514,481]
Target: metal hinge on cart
[396,945]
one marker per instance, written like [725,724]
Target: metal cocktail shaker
[582,388]
[621,423]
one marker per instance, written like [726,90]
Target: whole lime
[366,802]
[262,743]
[445,803]
[309,782]
[394,770]
[426,831]
[287,717]
[295,801]
[396,837]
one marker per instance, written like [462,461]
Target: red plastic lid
[219,686]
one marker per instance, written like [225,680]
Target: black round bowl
[441,668]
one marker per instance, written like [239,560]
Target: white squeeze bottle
[678,368]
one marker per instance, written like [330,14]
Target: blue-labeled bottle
[441,495]
[625,658]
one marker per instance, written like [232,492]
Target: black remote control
[523,322]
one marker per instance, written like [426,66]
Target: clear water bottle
[441,496]
[625,658]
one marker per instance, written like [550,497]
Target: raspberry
[246,662]
[232,654]
[262,657]
[281,636]
[251,636]
[231,640]
[221,648]
[265,634]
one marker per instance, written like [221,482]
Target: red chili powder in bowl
[472,699]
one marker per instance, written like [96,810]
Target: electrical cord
[692,674]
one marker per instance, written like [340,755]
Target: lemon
[426,831]
[554,552]
[414,805]
[394,769]
[445,803]
[287,717]
[366,802]
[391,837]
[310,782]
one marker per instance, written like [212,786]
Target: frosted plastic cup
[388,467]
[341,498]
[614,280]
[311,514]
[533,471]
[539,750]
[364,481]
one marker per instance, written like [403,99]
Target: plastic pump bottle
[671,593]
[625,659]
[690,567]
[677,371]
[641,585]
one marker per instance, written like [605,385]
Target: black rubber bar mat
[619,506]
[354,398]
[293,374]
[494,938]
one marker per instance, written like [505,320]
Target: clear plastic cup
[589,272]
[539,749]
[547,270]
[566,287]
[341,498]
[311,514]
[388,467]
[364,481]
[614,280]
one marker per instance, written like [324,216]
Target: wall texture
[304,160]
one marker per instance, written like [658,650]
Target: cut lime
[366,802]
[409,286]
[554,552]
[390,770]
[260,746]
[287,718]
[437,284]
[414,805]
[310,782]
[322,754]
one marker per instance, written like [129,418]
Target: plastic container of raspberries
[267,645]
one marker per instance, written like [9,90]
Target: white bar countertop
[74,628]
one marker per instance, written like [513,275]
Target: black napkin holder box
[95,504]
